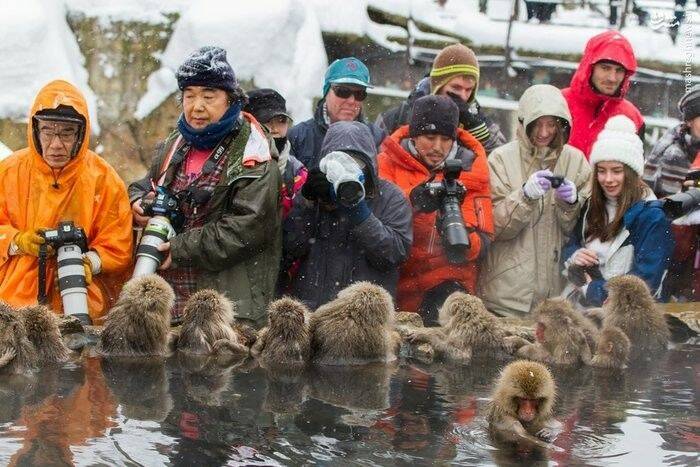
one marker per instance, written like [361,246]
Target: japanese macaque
[612,350]
[631,308]
[285,341]
[207,325]
[17,354]
[559,340]
[205,378]
[139,323]
[355,328]
[522,403]
[466,329]
[43,332]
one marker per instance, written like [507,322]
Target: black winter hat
[689,105]
[434,115]
[266,104]
[207,67]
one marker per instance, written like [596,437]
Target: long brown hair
[597,223]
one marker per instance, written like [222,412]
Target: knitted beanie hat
[618,142]
[434,115]
[689,105]
[454,60]
[207,67]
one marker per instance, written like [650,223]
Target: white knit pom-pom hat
[618,142]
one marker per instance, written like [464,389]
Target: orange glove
[88,270]
[28,242]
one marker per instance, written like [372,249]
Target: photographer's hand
[29,241]
[140,218]
[316,186]
[167,261]
[584,257]
[566,192]
[537,185]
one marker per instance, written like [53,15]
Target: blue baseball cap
[347,70]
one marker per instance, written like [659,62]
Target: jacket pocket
[481,204]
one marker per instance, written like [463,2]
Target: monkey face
[527,409]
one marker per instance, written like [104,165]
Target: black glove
[422,200]
[317,186]
[471,119]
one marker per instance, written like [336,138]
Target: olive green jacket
[237,251]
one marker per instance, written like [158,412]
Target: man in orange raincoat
[57,178]
[418,153]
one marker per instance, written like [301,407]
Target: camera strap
[41,294]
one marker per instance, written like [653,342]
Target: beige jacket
[522,266]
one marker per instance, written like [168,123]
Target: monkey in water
[356,327]
[522,403]
[43,332]
[17,354]
[207,325]
[139,323]
[466,329]
[285,341]
[560,340]
[612,350]
[631,308]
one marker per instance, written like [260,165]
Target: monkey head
[11,328]
[287,313]
[552,314]
[625,292]
[208,304]
[368,303]
[151,292]
[525,390]
[465,308]
[614,343]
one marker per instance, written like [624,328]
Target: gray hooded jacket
[333,252]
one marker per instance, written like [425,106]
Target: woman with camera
[622,228]
[218,166]
[538,183]
[443,169]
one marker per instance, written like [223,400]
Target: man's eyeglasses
[66,135]
[345,92]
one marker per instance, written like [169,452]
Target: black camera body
[682,203]
[66,234]
[165,204]
[447,196]
[555,180]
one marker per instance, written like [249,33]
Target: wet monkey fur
[286,340]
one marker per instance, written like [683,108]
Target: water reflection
[189,410]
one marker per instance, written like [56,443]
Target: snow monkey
[613,349]
[207,325]
[631,308]
[43,332]
[466,328]
[285,341]
[17,354]
[139,323]
[559,340]
[522,402]
[356,327]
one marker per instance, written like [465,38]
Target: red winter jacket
[590,109]
[427,265]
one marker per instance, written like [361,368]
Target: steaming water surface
[183,411]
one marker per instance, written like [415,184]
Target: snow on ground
[568,31]
[37,46]
[4,151]
[275,43]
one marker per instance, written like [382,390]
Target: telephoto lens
[70,244]
[454,234]
[148,257]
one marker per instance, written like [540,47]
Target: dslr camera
[447,197]
[70,243]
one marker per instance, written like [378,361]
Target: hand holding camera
[28,242]
[566,191]
[345,176]
[316,187]
[470,118]
[538,184]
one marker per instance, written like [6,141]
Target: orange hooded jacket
[427,265]
[87,191]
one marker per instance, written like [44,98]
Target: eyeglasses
[344,93]
[66,135]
